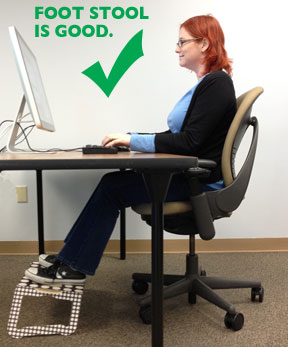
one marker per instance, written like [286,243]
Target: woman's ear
[205,45]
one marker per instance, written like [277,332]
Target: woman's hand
[116,140]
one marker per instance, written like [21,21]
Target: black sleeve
[164,132]
[213,100]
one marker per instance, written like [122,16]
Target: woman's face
[191,52]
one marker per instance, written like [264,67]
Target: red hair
[207,27]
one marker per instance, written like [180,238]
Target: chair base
[195,282]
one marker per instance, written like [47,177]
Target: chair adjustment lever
[203,216]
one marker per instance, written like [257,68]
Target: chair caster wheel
[234,321]
[140,287]
[257,292]
[145,314]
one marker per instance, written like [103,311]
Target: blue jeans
[86,241]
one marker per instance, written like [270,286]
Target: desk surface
[77,160]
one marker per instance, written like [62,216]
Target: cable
[24,116]
[23,133]
[11,121]
[9,126]
[3,132]
[30,126]
[25,137]
[52,150]
[65,150]
[6,121]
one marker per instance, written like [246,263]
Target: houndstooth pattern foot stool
[27,287]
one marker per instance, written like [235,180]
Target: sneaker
[59,273]
[47,260]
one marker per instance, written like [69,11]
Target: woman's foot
[47,260]
[58,273]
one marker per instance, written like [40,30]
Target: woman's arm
[142,142]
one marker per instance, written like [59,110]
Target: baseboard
[170,246]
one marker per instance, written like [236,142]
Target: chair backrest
[229,198]
[236,132]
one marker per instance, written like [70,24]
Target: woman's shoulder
[214,83]
[216,79]
[219,74]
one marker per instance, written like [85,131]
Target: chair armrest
[206,163]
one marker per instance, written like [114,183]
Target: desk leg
[40,211]
[157,185]
[122,234]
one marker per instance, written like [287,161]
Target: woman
[198,125]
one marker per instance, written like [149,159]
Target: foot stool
[61,292]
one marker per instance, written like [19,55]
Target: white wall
[255,39]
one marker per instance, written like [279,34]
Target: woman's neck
[199,71]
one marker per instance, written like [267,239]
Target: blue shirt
[146,143]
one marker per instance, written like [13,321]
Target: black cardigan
[208,118]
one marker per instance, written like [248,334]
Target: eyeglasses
[180,43]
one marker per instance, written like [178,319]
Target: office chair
[197,215]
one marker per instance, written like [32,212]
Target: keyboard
[94,149]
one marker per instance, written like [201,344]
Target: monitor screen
[31,82]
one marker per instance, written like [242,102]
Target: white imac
[34,93]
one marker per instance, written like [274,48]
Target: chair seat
[169,208]
[179,218]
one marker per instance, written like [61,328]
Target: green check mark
[129,54]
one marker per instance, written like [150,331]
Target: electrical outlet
[21,193]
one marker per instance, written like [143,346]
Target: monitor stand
[14,131]
[11,144]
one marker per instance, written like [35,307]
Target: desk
[156,170]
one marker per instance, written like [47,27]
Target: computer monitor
[34,92]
